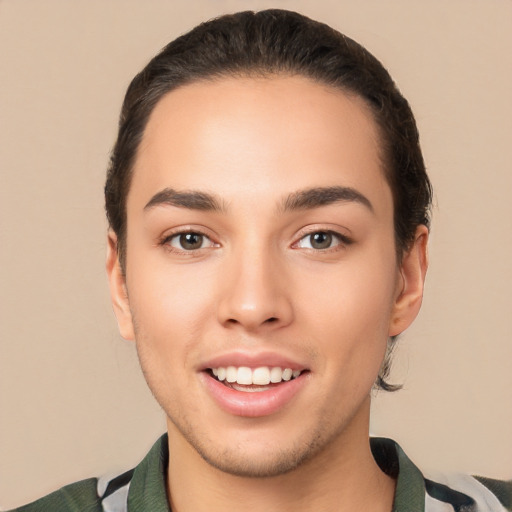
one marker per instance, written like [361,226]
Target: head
[268,43]
[271,113]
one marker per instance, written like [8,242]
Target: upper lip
[252,360]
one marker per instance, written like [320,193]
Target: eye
[321,240]
[190,241]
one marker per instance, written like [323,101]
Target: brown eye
[320,240]
[189,241]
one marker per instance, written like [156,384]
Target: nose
[255,292]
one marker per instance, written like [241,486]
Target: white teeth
[287,374]
[231,374]
[276,375]
[261,376]
[244,375]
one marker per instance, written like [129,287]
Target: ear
[118,291]
[409,292]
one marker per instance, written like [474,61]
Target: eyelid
[178,238]
[344,239]
[183,230]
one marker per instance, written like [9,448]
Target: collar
[410,483]
[148,490]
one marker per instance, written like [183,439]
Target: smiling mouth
[247,379]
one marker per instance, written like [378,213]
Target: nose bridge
[254,295]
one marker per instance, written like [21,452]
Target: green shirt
[143,488]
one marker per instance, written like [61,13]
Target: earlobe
[118,291]
[409,293]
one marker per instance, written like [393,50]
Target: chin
[250,456]
[263,466]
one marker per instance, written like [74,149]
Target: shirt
[144,487]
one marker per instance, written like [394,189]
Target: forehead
[262,135]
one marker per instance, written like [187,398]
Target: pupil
[191,241]
[321,240]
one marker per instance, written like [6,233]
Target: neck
[343,477]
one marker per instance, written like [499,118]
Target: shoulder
[425,491]
[141,488]
[465,492]
[81,496]
[500,488]
[91,495]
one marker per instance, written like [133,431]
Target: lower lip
[253,404]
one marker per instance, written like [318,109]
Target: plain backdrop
[73,403]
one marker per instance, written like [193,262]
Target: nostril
[271,320]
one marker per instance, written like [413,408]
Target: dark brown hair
[267,43]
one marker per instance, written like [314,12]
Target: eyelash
[342,241]
[167,242]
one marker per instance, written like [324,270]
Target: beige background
[72,400]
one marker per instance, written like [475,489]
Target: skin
[257,285]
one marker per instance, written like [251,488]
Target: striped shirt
[143,488]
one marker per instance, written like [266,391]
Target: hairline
[260,72]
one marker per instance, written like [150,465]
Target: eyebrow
[191,199]
[301,200]
[323,196]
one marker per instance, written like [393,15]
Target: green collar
[410,485]
[147,487]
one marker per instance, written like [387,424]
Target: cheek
[168,312]
[349,308]
[363,292]
[169,304]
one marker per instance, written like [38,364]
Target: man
[269,214]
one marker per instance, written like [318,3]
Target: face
[261,277]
